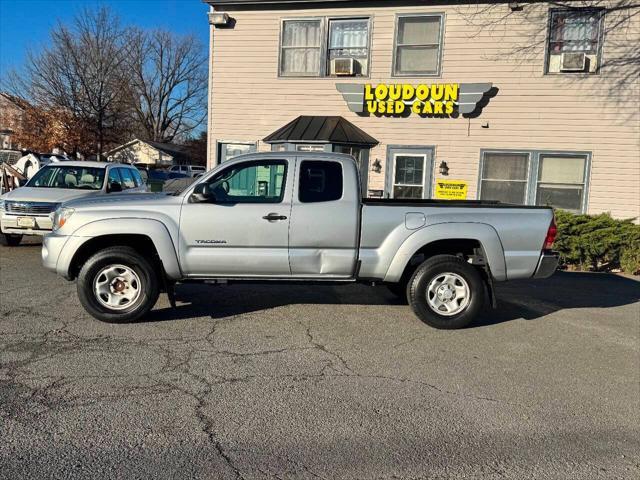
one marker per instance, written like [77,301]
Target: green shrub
[598,242]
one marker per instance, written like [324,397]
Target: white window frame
[526,181]
[533,170]
[440,45]
[584,183]
[393,173]
[324,71]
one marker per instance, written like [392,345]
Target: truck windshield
[66,176]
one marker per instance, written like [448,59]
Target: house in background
[11,116]
[151,153]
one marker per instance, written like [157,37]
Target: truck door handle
[272,217]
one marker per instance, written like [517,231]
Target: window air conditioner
[573,62]
[343,66]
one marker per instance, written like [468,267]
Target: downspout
[210,147]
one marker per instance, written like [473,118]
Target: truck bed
[402,202]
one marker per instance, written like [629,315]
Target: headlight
[60,217]
[1,205]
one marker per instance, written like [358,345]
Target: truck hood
[122,201]
[52,195]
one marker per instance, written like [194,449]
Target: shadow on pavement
[516,300]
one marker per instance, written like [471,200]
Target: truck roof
[317,155]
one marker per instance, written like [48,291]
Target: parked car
[299,217]
[189,170]
[26,210]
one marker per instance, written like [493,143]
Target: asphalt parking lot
[261,382]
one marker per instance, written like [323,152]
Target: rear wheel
[12,240]
[117,285]
[446,292]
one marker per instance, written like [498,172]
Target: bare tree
[83,72]
[622,60]
[168,84]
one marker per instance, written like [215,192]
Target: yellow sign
[437,99]
[451,189]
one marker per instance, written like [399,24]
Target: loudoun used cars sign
[401,99]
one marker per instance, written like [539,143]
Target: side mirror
[202,193]
[114,187]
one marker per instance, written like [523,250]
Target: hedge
[598,242]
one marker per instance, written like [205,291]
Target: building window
[228,150]
[418,45]
[558,178]
[318,47]
[504,177]
[574,41]
[310,147]
[561,181]
[348,39]
[301,48]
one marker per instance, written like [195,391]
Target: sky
[25,24]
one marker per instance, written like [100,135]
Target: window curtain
[301,47]
[349,34]
[576,32]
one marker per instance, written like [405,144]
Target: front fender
[153,229]
[481,232]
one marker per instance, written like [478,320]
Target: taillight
[551,235]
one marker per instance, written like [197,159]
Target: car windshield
[66,176]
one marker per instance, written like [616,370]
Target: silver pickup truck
[295,217]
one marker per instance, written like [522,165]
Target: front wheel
[12,240]
[117,285]
[446,292]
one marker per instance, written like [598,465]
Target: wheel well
[460,247]
[141,243]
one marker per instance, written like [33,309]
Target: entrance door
[409,172]
[245,229]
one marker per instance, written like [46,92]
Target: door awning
[328,129]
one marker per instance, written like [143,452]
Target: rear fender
[485,234]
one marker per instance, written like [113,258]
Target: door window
[320,181]
[409,175]
[127,178]
[254,182]
[114,178]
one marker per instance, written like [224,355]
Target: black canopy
[330,129]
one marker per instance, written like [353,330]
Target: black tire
[429,271]
[12,240]
[128,257]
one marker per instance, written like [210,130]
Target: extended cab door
[325,218]
[244,230]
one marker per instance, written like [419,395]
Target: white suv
[26,210]
[190,170]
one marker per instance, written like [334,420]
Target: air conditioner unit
[573,62]
[343,66]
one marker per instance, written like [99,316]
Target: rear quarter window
[320,181]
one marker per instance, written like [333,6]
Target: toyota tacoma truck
[297,217]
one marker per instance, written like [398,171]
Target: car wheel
[446,292]
[12,240]
[117,285]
